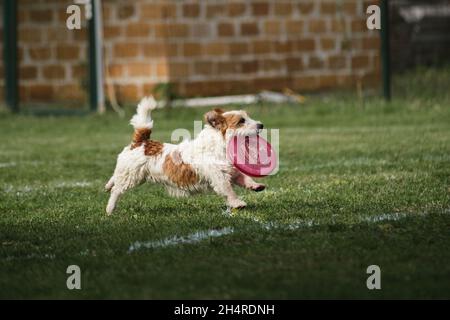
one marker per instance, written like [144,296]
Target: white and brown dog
[188,167]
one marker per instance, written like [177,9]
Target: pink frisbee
[252,155]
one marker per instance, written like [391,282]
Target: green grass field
[359,184]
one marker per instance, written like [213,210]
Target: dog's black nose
[259,126]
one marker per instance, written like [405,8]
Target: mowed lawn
[360,183]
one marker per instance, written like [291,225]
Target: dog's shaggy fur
[186,168]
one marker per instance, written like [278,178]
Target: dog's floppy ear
[215,119]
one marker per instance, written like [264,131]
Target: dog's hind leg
[119,188]
[115,194]
[109,184]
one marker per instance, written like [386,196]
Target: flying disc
[252,155]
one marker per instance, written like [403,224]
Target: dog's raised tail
[142,120]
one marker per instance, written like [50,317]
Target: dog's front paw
[258,187]
[237,204]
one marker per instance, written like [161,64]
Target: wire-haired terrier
[186,168]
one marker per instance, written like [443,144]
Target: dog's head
[236,122]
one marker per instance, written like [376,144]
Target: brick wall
[52,58]
[203,47]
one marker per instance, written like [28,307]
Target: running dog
[186,168]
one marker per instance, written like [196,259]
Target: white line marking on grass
[387,217]
[45,187]
[302,223]
[21,163]
[74,184]
[46,256]
[17,190]
[175,240]
[7,164]
[270,225]
[294,225]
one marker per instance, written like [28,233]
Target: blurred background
[208,48]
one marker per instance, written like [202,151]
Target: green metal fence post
[93,100]
[385,50]
[97,97]
[10,54]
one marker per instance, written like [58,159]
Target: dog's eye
[241,121]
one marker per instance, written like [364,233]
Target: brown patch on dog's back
[181,173]
[153,148]
[141,135]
